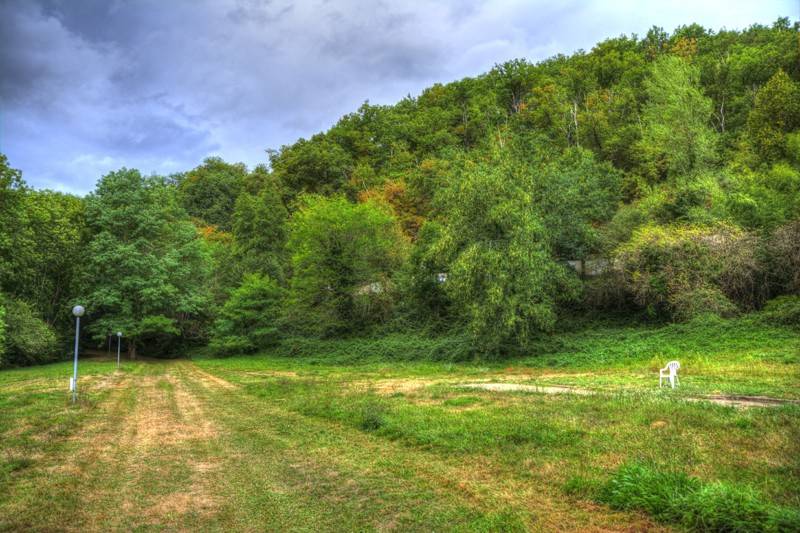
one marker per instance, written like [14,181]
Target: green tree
[676,136]
[249,319]
[259,232]
[146,265]
[12,192]
[209,191]
[501,274]
[776,112]
[574,195]
[49,245]
[28,339]
[343,256]
[318,165]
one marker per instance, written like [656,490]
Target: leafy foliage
[682,271]
[146,266]
[677,138]
[260,234]
[249,319]
[209,191]
[343,258]
[666,166]
[28,339]
[501,274]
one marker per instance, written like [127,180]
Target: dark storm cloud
[87,86]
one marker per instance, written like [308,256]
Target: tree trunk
[132,350]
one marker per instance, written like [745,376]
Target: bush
[783,310]
[783,252]
[706,300]
[676,270]
[675,497]
[724,507]
[28,339]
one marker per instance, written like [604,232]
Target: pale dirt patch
[271,373]
[514,387]
[721,399]
[393,386]
[209,380]
[744,401]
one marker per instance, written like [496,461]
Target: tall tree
[12,192]
[677,135]
[501,274]
[49,245]
[776,112]
[343,256]
[146,266]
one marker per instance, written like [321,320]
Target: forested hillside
[654,176]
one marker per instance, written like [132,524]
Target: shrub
[783,310]
[783,252]
[29,339]
[724,507]
[658,493]
[705,300]
[676,270]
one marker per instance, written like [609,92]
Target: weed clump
[371,415]
[675,497]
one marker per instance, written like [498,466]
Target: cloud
[90,86]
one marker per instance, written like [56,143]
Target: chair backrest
[673,366]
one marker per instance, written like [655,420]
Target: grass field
[340,438]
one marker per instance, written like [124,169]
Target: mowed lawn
[326,443]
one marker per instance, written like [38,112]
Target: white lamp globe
[119,334]
[78,310]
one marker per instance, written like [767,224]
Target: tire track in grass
[359,481]
[141,462]
[157,472]
[45,496]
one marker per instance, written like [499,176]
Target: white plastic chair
[672,369]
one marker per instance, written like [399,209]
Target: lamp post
[78,311]
[119,340]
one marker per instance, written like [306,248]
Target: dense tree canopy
[665,169]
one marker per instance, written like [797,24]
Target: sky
[90,86]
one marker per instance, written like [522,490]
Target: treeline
[658,176]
